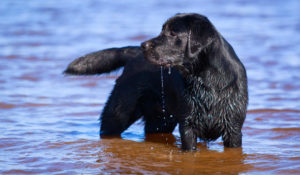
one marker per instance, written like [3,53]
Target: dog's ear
[201,34]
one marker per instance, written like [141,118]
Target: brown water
[49,122]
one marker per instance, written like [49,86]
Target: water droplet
[171,155]
[162,89]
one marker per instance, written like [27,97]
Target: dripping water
[162,90]
[163,105]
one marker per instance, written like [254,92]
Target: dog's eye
[172,33]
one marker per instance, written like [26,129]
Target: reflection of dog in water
[206,93]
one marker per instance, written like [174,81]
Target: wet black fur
[137,91]
[207,96]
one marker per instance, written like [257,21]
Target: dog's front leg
[188,137]
[232,138]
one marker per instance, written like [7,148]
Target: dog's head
[182,39]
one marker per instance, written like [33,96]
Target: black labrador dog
[206,92]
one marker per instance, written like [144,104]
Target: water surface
[49,122]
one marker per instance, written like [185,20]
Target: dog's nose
[145,45]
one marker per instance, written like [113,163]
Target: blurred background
[49,122]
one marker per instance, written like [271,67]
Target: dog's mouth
[161,62]
[168,63]
[154,58]
[165,63]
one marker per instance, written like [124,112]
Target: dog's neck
[209,70]
[200,83]
[198,64]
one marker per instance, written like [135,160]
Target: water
[49,122]
[169,70]
[163,106]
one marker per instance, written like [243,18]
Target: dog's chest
[200,99]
